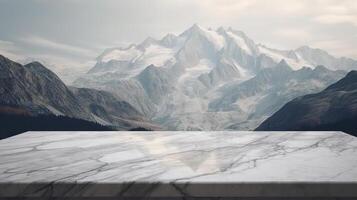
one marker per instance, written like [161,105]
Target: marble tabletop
[175,164]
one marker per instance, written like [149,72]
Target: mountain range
[334,108]
[201,79]
[204,79]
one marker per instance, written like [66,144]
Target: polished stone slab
[179,164]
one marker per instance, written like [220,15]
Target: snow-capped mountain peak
[242,41]
[170,40]
[197,32]
[193,29]
[293,58]
[222,47]
[206,79]
[147,42]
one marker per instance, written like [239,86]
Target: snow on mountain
[295,61]
[186,81]
[240,41]
[130,53]
[156,55]
[334,108]
[262,95]
[320,57]
[197,42]
[211,36]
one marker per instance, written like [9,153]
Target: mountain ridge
[34,90]
[334,108]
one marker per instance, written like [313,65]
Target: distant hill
[12,124]
[333,109]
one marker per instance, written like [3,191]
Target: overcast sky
[74,32]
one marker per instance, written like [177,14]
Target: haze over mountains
[207,79]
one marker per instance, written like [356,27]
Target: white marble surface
[180,158]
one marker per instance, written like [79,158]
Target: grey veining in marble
[219,164]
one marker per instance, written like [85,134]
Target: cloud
[337,19]
[9,49]
[67,67]
[225,8]
[339,47]
[233,8]
[10,55]
[321,11]
[337,12]
[46,43]
[6,44]
[82,34]
[293,33]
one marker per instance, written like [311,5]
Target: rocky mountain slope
[335,108]
[258,98]
[34,90]
[110,110]
[206,79]
[37,89]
